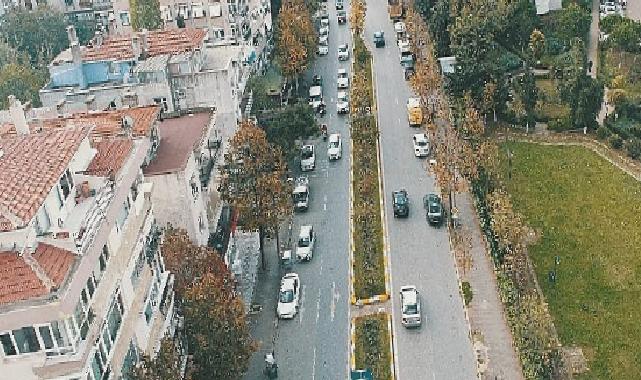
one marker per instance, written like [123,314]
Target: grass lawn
[550,106]
[589,214]
[373,345]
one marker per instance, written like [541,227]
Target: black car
[434,207]
[341,16]
[379,39]
[408,69]
[317,80]
[401,203]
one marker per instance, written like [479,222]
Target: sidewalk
[262,314]
[593,41]
[490,332]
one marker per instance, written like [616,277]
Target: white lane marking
[314,365]
[397,102]
[325,203]
[318,306]
[335,297]
[302,307]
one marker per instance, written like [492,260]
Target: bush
[560,125]
[467,292]
[615,141]
[633,148]
[603,133]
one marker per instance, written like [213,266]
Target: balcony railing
[153,241]
[89,225]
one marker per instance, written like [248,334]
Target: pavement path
[419,254]
[593,39]
[315,344]
[634,9]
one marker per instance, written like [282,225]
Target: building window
[130,359]
[66,184]
[104,259]
[138,266]
[124,18]
[124,213]
[215,10]
[8,346]
[165,12]
[197,10]
[26,340]
[43,222]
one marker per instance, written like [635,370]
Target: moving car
[315,97]
[341,16]
[288,296]
[434,207]
[307,158]
[410,306]
[379,39]
[342,80]
[317,80]
[342,103]
[343,52]
[339,4]
[400,203]
[305,245]
[335,147]
[421,145]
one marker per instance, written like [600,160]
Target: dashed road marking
[318,306]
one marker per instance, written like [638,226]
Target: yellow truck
[395,9]
[414,112]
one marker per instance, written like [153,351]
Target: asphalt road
[441,348]
[314,345]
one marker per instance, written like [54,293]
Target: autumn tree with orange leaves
[165,365]
[296,39]
[254,182]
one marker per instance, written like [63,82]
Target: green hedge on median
[372,345]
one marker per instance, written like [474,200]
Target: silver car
[410,306]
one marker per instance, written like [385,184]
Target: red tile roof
[112,154]
[107,123]
[56,262]
[17,280]
[159,42]
[29,168]
[178,137]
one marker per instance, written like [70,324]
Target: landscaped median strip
[372,346]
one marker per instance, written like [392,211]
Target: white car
[399,27]
[335,147]
[307,158]
[323,49]
[342,80]
[288,296]
[421,145]
[404,46]
[305,245]
[343,52]
[342,103]
[410,306]
[323,31]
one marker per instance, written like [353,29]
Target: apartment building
[83,288]
[170,68]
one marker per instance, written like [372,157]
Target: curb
[391,345]
[352,355]
[352,294]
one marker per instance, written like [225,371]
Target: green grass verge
[369,262]
[373,345]
[589,214]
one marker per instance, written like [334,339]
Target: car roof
[420,137]
[400,191]
[342,46]
[334,137]
[342,71]
[410,294]
[342,94]
[308,147]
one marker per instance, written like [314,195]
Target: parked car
[300,194]
[379,39]
[410,306]
[341,15]
[342,103]
[342,79]
[434,208]
[400,203]
[307,158]
[288,296]
[343,52]
[339,4]
[317,80]
[335,147]
[305,245]
[421,145]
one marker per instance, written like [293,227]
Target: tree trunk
[277,231]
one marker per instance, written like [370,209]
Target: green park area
[587,213]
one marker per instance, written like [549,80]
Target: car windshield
[300,196]
[333,144]
[342,48]
[410,309]
[421,143]
[286,296]
[435,209]
[307,153]
[400,199]
[303,242]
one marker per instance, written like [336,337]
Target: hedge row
[372,346]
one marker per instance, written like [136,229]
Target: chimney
[97,39]
[135,46]
[16,110]
[71,34]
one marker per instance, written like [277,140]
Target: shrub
[560,125]
[603,133]
[467,292]
[633,148]
[615,141]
